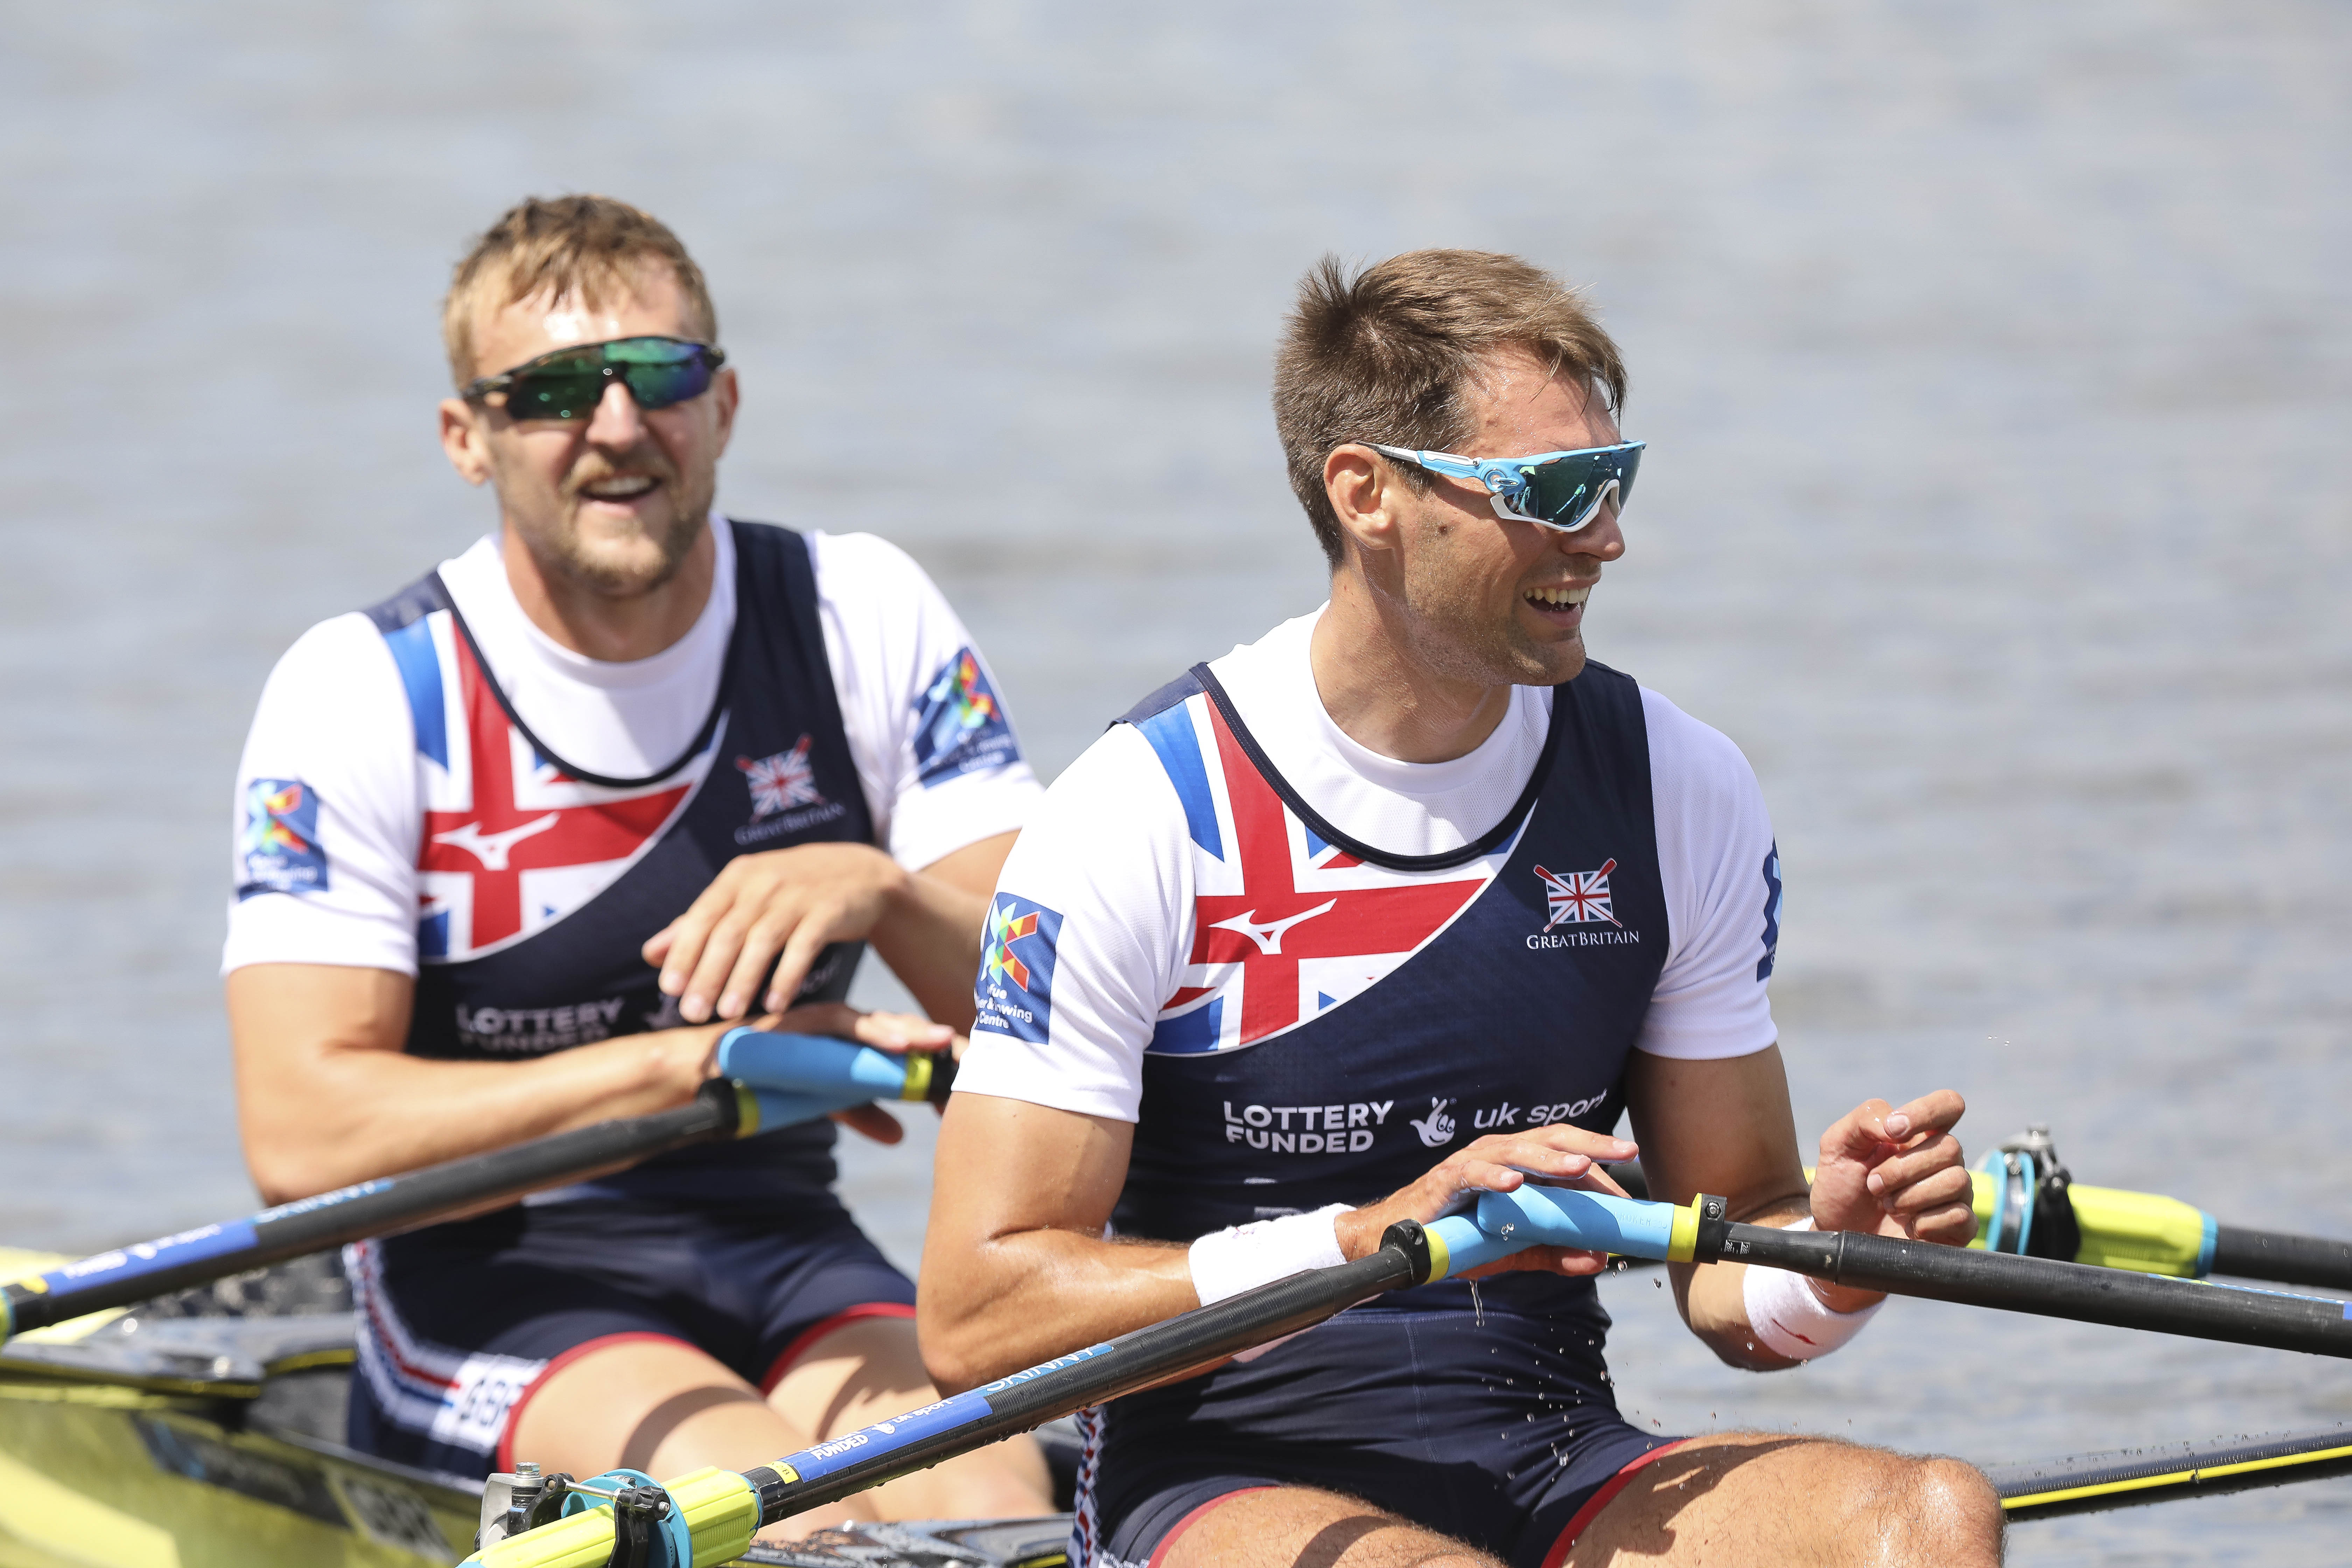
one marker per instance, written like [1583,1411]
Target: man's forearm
[1713,1297]
[930,936]
[1027,1298]
[1016,1266]
[378,1113]
[325,1097]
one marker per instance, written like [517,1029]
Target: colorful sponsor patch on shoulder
[960,726]
[1015,989]
[278,851]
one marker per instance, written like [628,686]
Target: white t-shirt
[1111,851]
[335,715]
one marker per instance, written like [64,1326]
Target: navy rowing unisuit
[1530,970]
[494,984]
[737,1247]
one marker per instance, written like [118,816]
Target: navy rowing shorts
[459,1323]
[1503,1433]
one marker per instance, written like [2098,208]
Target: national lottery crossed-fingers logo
[277,850]
[1015,991]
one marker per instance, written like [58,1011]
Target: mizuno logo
[1268,935]
[492,848]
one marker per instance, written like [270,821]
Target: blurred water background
[1994,364]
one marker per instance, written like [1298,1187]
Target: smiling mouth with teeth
[624,487]
[1560,598]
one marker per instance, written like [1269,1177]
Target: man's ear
[1363,493]
[465,441]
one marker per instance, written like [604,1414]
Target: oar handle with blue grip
[799,1077]
[1506,1223]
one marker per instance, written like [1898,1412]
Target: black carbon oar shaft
[2290,1259]
[1148,1355]
[148,1269]
[2047,1288]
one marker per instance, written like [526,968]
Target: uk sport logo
[959,724]
[781,782]
[279,851]
[1579,898]
[1014,993]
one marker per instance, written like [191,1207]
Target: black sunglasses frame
[704,357]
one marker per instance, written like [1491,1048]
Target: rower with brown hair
[517,843]
[1404,902]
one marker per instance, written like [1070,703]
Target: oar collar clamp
[1424,1251]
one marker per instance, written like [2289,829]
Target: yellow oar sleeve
[719,1506]
[2143,1232]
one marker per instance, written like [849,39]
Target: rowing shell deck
[204,1443]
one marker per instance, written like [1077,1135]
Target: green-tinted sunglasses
[569,383]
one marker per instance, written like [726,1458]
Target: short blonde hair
[1388,354]
[586,249]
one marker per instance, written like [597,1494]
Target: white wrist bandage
[1789,1319]
[1228,1262]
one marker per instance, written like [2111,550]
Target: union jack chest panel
[1341,1025]
[538,888]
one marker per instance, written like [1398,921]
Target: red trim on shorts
[1160,1552]
[585,1347]
[808,1337]
[1600,1499]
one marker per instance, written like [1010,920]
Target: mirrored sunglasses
[1562,490]
[569,383]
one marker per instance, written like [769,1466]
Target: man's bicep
[1719,1125]
[291,1027]
[1008,1166]
[284,1015]
[975,867]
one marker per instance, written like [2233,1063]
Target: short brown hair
[586,249]
[1386,355]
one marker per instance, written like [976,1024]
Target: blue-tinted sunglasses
[1561,490]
